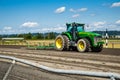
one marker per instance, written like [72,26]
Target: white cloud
[82,9]
[54,29]
[7,28]
[78,10]
[116,4]
[98,24]
[102,25]
[30,24]
[60,10]
[117,22]
[76,15]
[72,10]
[57,28]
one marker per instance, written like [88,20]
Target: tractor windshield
[69,29]
[75,27]
[80,28]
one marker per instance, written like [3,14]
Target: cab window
[69,29]
[80,28]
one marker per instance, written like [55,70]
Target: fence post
[106,43]
[112,45]
[106,39]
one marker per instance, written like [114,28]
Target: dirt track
[106,61]
[31,73]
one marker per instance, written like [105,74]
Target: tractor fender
[68,35]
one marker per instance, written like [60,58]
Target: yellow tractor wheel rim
[59,43]
[81,45]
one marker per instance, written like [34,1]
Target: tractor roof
[74,24]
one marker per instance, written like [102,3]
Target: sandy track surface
[106,61]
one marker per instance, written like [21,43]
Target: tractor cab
[74,28]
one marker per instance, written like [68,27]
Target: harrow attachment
[41,46]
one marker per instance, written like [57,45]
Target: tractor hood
[83,34]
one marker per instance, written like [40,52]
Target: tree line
[33,36]
[51,35]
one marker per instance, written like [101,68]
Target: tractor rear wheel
[83,45]
[61,43]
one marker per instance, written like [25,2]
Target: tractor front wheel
[97,49]
[83,45]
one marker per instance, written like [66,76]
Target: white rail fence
[112,76]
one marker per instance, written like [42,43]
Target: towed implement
[76,38]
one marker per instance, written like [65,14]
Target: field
[111,43]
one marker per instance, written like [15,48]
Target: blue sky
[22,16]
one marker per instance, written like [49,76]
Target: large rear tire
[61,43]
[83,45]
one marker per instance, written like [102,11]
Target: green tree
[20,35]
[50,35]
[0,37]
[40,36]
[34,37]
[28,36]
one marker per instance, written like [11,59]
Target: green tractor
[76,38]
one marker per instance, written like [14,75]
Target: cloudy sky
[22,16]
